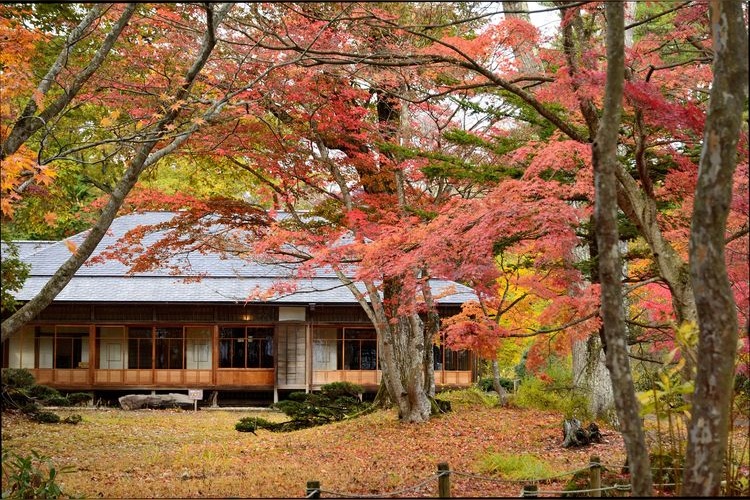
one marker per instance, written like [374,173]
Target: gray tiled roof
[225,278]
[26,247]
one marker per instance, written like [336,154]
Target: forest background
[590,183]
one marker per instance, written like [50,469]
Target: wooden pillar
[530,491]
[214,354]
[595,474]
[153,354]
[444,480]
[313,489]
[93,355]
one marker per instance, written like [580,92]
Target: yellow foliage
[71,246]
[110,119]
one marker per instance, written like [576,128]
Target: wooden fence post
[313,489]
[444,480]
[595,475]
[530,491]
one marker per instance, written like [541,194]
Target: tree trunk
[499,389]
[717,314]
[589,361]
[402,358]
[590,374]
[610,267]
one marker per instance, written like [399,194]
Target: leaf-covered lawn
[161,453]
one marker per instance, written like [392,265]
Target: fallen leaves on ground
[186,454]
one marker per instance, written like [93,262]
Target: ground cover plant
[181,454]
[334,402]
[20,392]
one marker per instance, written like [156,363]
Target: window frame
[257,338]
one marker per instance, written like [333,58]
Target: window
[360,349]
[324,348]
[198,347]
[71,347]
[110,342]
[246,347]
[260,347]
[44,340]
[170,353]
[18,350]
[140,344]
[456,360]
[447,359]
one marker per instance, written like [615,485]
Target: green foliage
[742,384]
[31,476]
[666,467]
[43,392]
[553,390]
[73,419]
[334,402]
[13,274]
[17,378]
[252,424]
[440,406]
[30,408]
[47,16]
[737,483]
[61,209]
[468,397]
[509,466]
[667,398]
[78,398]
[21,392]
[337,390]
[201,177]
[58,400]
[487,384]
[46,417]
[668,395]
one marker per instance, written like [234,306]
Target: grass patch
[472,396]
[509,466]
[187,454]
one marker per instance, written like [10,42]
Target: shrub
[487,384]
[31,408]
[251,424]
[17,378]
[535,393]
[332,403]
[77,398]
[58,400]
[30,477]
[468,397]
[336,390]
[21,392]
[73,419]
[43,392]
[742,384]
[46,417]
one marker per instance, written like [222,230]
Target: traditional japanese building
[112,331]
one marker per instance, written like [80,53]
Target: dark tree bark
[717,313]
[610,266]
